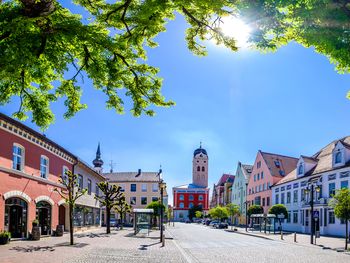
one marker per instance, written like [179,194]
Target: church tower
[98,161]
[200,167]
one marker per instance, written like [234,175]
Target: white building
[329,169]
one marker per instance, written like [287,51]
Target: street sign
[316,214]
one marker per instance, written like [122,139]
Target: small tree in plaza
[156,206]
[341,204]
[192,211]
[70,193]
[122,209]
[219,213]
[255,209]
[199,214]
[279,209]
[112,197]
[233,211]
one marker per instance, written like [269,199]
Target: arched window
[203,169]
[301,169]
[182,205]
[338,157]
[198,168]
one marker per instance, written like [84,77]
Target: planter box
[4,240]
[36,233]
[59,230]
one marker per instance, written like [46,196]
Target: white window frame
[43,157]
[22,156]
[155,187]
[144,188]
[142,198]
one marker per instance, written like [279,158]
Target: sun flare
[236,28]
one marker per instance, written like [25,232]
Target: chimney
[138,173]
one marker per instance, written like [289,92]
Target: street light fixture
[311,188]
[246,207]
[162,187]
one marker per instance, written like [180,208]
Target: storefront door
[15,222]
[43,210]
[16,217]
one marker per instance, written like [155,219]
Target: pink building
[268,169]
[30,167]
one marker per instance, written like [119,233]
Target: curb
[248,234]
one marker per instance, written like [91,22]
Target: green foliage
[341,204]
[5,234]
[255,209]
[156,206]
[219,212]
[279,209]
[35,222]
[233,209]
[192,211]
[198,214]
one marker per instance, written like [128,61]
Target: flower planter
[4,240]
[36,233]
[59,230]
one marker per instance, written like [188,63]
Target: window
[200,198]
[191,198]
[133,200]
[154,198]
[144,187]
[301,169]
[182,205]
[89,187]
[331,189]
[295,217]
[338,157]
[18,157]
[302,194]
[288,197]
[263,202]
[282,198]
[260,188]
[331,218]
[344,184]
[268,201]
[268,185]
[154,187]
[277,199]
[133,187]
[256,189]
[203,169]
[288,218]
[97,190]
[277,163]
[191,205]
[122,186]
[80,181]
[258,165]
[143,200]
[262,175]
[198,168]
[254,177]
[44,166]
[258,177]
[250,191]
[264,186]
[182,197]
[295,196]
[64,175]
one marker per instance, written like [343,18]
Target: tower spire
[97,162]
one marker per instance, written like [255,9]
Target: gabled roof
[132,177]
[309,159]
[247,168]
[324,159]
[286,163]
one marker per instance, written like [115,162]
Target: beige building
[140,188]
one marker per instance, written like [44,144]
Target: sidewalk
[302,239]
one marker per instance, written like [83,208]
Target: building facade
[196,193]
[221,194]
[239,190]
[30,168]
[140,189]
[328,170]
[267,170]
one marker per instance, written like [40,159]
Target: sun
[236,28]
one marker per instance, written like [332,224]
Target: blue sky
[289,102]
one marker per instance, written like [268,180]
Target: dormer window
[338,157]
[300,169]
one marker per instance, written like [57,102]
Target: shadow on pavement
[144,247]
[93,235]
[29,249]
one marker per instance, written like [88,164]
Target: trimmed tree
[255,209]
[279,209]
[192,211]
[198,214]
[70,193]
[122,209]
[112,196]
[219,213]
[233,211]
[341,204]
[156,206]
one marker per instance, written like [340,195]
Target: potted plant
[5,237]
[35,230]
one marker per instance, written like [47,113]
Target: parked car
[207,222]
[113,222]
[188,221]
[221,225]
[214,222]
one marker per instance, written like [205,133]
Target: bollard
[163,241]
[281,235]
[295,237]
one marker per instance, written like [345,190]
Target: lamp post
[162,186]
[246,208]
[311,189]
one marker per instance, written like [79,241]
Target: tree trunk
[108,223]
[34,8]
[346,234]
[121,220]
[71,229]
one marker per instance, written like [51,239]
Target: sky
[290,102]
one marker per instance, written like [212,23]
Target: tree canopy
[219,212]
[279,209]
[46,50]
[255,209]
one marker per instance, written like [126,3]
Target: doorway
[43,214]
[16,217]
[62,216]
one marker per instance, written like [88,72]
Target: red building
[30,167]
[196,193]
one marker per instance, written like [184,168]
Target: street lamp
[311,188]
[162,186]
[246,208]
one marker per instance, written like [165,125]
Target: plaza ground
[184,243]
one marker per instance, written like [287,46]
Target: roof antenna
[111,164]
[200,144]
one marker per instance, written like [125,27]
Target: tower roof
[98,161]
[200,150]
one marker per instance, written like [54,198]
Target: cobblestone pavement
[94,247]
[199,243]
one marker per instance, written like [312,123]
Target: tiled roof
[324,161]
[132,177]
[309,159]
[286,163]
[247,168]
[224,178]
[189,186]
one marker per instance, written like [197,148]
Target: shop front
[16,215]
